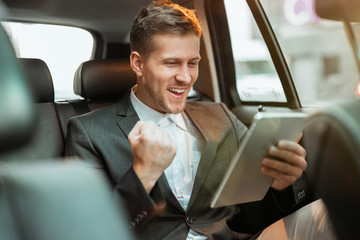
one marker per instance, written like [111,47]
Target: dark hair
[161,17]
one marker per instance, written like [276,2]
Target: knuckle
[305,164]
[304,152]
[270,163]
[145,138]
[288,168]
[298,174]
[293,179]
[289,178]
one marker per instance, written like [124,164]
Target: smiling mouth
[176,90]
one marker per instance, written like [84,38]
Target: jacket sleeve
[79,144]
[298,194]
[141,207]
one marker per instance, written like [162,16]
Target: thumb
[299,138]
[135,132]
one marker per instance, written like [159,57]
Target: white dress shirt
[189,146]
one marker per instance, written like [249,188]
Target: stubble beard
[163,105]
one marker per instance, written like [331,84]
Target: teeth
[176,90]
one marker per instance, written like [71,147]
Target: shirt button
[132,225]
[144,214]
[190,220]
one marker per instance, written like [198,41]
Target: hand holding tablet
[243,180]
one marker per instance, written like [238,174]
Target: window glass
[256,77]
[62,48]
[317,51]
[356,31]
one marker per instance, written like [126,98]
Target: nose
[184,75]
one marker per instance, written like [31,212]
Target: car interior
[33,121]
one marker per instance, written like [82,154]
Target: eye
[194,63]
[170,63]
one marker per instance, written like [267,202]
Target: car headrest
[39,77]
[103,79]
[338,9]
[16,108]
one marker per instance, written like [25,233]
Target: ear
[136,63]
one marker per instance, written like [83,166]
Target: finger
[148,130]
[149,125]
[288,157]
[280,182]
[278,176]
[137,128]
[299,138]
[282,167]
[292,147]
[163,137]
[135,132]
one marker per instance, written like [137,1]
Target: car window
[62,48]
[317,51]
[256,77]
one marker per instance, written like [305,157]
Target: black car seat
[47,141]
[100,83]
[16,111]
[332,141]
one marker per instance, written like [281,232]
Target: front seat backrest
[16,110]
[332,142]
[47,141]
[59,200]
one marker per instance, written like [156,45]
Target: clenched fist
[153,152]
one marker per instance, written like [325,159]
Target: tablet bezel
[244,169]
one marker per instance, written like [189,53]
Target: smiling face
[166,75]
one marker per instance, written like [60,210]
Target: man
[166,156]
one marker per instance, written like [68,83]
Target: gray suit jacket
[101,137]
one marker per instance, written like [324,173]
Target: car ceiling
[110,18]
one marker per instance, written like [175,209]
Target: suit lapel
[204,126]
[166,190]
[126,115]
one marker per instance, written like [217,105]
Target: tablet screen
[243,180]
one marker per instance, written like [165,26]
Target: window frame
[224,60]
[97,50]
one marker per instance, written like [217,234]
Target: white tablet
[243,180]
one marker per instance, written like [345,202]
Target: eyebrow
[176,58]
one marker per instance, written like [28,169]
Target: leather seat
[332,141]
[39,79]
[47,141]
[104,79]
[100,82]
[16,110]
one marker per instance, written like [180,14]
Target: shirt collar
[178,119]
[146,113]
